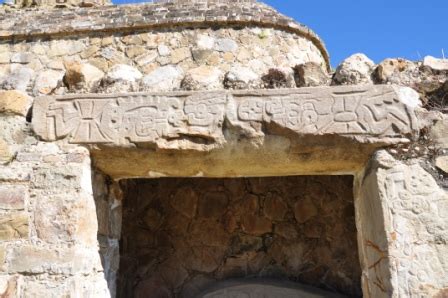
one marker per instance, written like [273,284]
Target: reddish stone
[274,208]
[213,205]
[256,225]
[185,201]
[313,230]
[154,288]
[12,197]
[304,210]
[286,230]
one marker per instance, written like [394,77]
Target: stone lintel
[309,130]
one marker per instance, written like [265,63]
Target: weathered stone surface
[401,204]
[390,70]
[135,17]
[375,113]
[5,152]
[165,78]
[201,252]
[304,210]
[203,78]
[356,69]
[14,102]
[241,78]
[436,64]
[12,196]
[279,78]
[442,163]
[35,259]
[14,226]
[311,75]
[82,76]
[123,72]
[18,79]
[47,82]
[226,45]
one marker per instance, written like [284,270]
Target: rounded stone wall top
[19,24]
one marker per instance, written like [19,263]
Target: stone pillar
[402,229]
[48,224]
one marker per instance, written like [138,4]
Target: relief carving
[363,112]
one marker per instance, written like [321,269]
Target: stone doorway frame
[190,134]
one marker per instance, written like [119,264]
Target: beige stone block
[180,54]
[12,197]
[89,52]
[14,226]
[33,259]
[442,163]
[134,51]
[5,152]
[5,57]
[14,102]
[2,256]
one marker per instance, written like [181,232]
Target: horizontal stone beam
[202,120]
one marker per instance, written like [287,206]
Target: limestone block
[391,70]
[123,72]
[180,54]
[436,64]
[402,229]
[311,75]
[203,78]
[82,76]
[5,152]
[66,218]
[47,82]
[18,79]
[12,197]
[241,78]
[23,58]
[442,163]
[89,285]
[439,133]
[2,261]
[34,259]
[163,50]
[65,48]
[14,226]
[225,45]
[205,42]
[357,69]
[15,102]
[378,114]
[165,78]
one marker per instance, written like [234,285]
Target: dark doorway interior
[181,235]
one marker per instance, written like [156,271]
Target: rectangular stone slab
[364,113]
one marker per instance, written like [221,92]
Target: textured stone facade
[186,234]
[203,70]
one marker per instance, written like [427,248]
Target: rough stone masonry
[93,95]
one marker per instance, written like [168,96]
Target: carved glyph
[371,113]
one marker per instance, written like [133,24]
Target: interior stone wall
[181,235]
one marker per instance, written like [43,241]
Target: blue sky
[381,29]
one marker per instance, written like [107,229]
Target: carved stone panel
[367,114]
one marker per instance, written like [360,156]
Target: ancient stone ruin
[207,149]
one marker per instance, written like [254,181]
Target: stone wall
[200,59]
[180,236]
[47,217]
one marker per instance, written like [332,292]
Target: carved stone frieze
[367,114]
